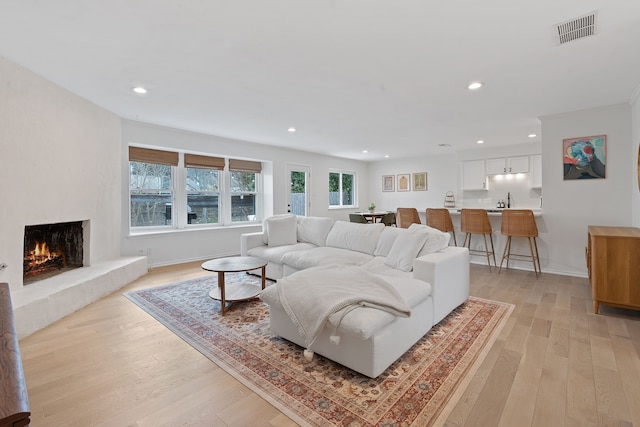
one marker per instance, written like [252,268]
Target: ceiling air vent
[578,28]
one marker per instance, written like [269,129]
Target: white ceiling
[387,76]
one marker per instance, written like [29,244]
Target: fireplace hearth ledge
[41,303]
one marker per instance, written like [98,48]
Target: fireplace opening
[51,249]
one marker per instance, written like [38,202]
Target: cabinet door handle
[509,169]
[504,169]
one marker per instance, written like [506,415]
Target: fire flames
[41,253]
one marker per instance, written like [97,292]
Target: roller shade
[204,162]
[147,155]
[244,166]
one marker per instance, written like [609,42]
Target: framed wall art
[388,183]
[584,157]
[420,181]
[404,182]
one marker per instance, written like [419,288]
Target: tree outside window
[243,196]
[150,194]
[203,195]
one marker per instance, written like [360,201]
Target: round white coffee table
[241,292]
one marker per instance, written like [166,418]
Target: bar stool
[520,223]
[441,219]
[476,221]
[407,216]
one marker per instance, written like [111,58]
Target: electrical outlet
[3,266]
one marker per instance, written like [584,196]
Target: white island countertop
[495,211]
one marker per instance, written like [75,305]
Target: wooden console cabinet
[613,262]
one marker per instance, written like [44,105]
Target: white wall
[442,176]
[189,245]
[571,206]
[59,161]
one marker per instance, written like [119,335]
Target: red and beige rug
[414,391]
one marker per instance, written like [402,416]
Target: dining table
[372,217]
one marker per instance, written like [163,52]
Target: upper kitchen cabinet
[536,171]
[502,165]
[474,175]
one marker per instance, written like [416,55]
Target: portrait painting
[584,157]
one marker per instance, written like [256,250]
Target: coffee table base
[240,292]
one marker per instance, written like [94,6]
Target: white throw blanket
[314,296]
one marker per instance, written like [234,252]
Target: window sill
[193,228]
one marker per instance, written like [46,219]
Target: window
[342,189]
[203,188]
[203,196]
[243,177]
[168,193]
[150,186]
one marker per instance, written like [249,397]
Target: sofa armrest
[250,241]
[448,273]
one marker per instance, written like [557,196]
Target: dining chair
[389,219]
[520,223]
[440,219]
[476,221]
[407,216]
[357,218]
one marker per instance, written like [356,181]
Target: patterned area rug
[413,391]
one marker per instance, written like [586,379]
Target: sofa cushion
[377,266]
[355,237]
[385,242]
[301,260]
[436,239]
[274,254]
[314,229]
[405,249]
[281,230]
[265,231]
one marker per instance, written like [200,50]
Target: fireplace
[51,249]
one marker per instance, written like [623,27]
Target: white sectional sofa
[430,276]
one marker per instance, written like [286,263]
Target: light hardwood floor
[554,364]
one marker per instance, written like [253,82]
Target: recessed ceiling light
[365,151]
[386,156]
[474,85]
[532,135]
[139,89]
[480,141]
[291,129]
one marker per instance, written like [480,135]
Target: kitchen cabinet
[502,165]
[474,175]
[536,171]
[612,264]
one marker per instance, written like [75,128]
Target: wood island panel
[613,261]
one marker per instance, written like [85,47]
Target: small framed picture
[420,181]
[388,183]
[404,182]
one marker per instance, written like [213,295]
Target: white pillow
[281,230]
[385,242]
[355,237]
[265,231]
[436,239]
[314,229]
[405,249]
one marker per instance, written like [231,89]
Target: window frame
[354,185]
[179,193]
